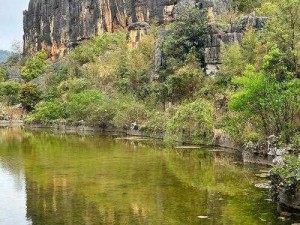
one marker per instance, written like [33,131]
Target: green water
[48,178]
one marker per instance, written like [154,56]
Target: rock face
[228,35]
[56,25]
[288,199]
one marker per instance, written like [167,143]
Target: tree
[283,30]
[187,32]
[3,73]
[271,94]
[29,96]
[35,66]
[9,92]
[246,6]
[186,81]
[183,51]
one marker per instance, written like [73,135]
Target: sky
[11,22]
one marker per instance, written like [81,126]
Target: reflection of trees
[10,148]
[75,179]
[229,188]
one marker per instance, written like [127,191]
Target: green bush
[9,92]
[78,105]
[156,123]
[47,111]
[3,73]
[101,114]
[186,81]
[192,123]
[34,66]
[89,51]
[129,111]
[289,173]
[29,96]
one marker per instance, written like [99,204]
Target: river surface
[56,179]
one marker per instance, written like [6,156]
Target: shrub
[90,50]
[103,113]
[186,81]
[35,66]
[47,112]
[2,74]
[129,111]
[192,123]
[78,105]
[289,173]
[9,92]
[29,96]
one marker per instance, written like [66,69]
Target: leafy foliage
[192,122]
[182,38]
[29,96]
[289,173]
[47,111]
[2,74]
[186,81]
[34,66]
[9,92]
[271,94]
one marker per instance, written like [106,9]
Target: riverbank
[219,138]
[254,154]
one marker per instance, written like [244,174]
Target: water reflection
[93,179]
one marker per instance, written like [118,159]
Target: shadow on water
[97,179]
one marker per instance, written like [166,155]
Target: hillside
[197,60]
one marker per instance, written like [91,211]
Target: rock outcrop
[229,34]
[57,25]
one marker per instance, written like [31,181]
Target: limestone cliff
[56,25]
[229,34]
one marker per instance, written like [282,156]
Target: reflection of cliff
[11,160]
[97,180]
[55,204]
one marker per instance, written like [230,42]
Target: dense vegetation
[105,82]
